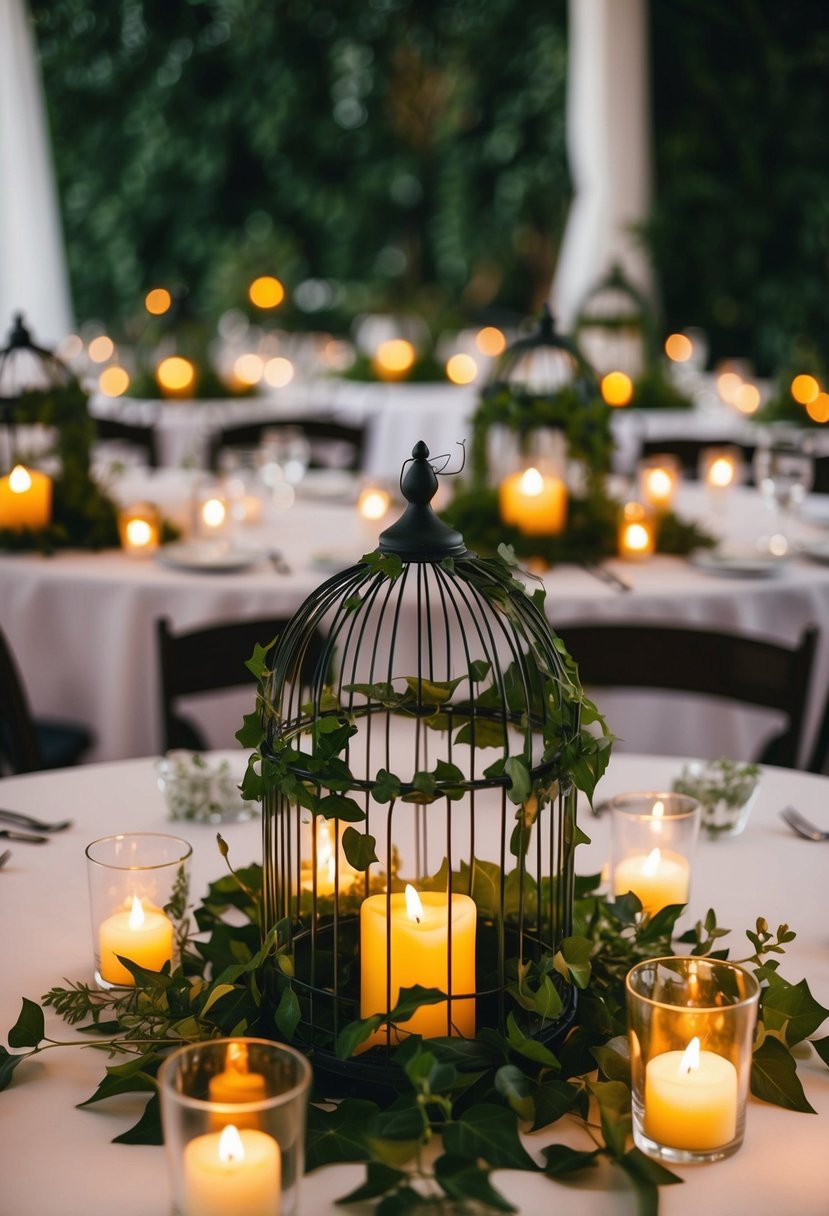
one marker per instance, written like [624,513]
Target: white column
[608,140]
[33,277]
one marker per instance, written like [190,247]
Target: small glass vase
[654,836]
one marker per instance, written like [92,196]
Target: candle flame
[659,483]
[651,864]
[236,1057]
[721,472]
[19,480]
[139,532]
[532,483]
[213,512]
[413,905]
[231,1148]
[136,920]
[690,1058]
[373,504]
[636,537]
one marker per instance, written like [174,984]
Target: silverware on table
[803,826]
[607,576]
[278,562]
[4,857]
[37,825]
[22,837]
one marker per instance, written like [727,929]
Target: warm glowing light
[101,348]
[373,503]
[136,920]
[651,863]
[658,811]
[728,384]
[804,389]
[139,533]
[158,301]
[637,538]
[71,346]
[114,381]
[747,398]
[721,472]
[20,481]
[175,374]
[818,410]
[690,1058]
[266,292]
[660,484]
[461,369]
[532,483]
[414,907]
[279,371]
[236,1056]
[393,358]
[679,348]
[617,388]
[249,369]
[490,341]
[214,512]
[231,1148]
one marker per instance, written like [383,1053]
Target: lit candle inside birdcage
[637,532]
[534,501]
[654,838]
[658,479]
[139,529]
[25,499]
[721,468]
[333,872]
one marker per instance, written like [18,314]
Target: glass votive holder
[139,884]
[637,532]
[691,1028]
[200,790]
[721,468]
[657,480]
[654,836]
[211,515]
[139,529]
[233,1112]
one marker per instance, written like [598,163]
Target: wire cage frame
[25,366]
[424,751]
[616,325]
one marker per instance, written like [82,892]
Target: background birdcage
[25,368]
[428,750]
[616,326]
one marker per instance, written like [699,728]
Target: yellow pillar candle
[658,878]
[637,533]
[534,502]
[144,935]
[236,1083]
[419,932]
[690,1099]
[232,1173]
[25,499]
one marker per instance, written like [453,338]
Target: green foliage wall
[740,232]
[385,150]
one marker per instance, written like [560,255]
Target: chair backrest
[209,660]
[333,444]
[19,750]
[725,665]
[819,757]
[130,433]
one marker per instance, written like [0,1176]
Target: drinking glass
[783,472]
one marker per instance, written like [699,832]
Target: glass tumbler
[139,885]
[654,836]
[233,1112]
[691,1027]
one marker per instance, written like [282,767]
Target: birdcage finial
[420,535]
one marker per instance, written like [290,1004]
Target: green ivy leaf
[8,1063]
[521,785]
[28,1030]
[573,960]
[489,1132]
[530,1049]
[252,787]
[560,1160]
[380,1178]
[337,806]
[288,1013]
[148,1128]
[256,664]
[791,1007]
[113,1084]
[821,1046]
[462,1179]
[613,1058]
[774,1077]
[387,564]
[553,1098]
[433,692]
[250,733]
[613,1098]
[359,849]
[410,1000]
[355,1033]
[338,1135]
[386,786]
[517,1089]
[479,669]
[646,1177]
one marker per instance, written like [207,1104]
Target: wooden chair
[333,444]
[819,757]
[730,667]
[209,660]
[28,745]
[130,433]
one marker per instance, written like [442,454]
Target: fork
[4,857]
[22,837]
[802,825]
[38,825]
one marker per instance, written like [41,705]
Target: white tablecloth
[58,1161]
[83,625]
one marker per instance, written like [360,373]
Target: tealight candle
[637,533]
[691,1098]
[654,836]
[25,499]
[720,468]
[415,930]
[232,1173]
[144,935]
[139,530]
[212,514]
[373,503]
[658,480]
[236,1083]
[536,503]
[328,872]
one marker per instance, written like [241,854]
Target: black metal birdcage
[24,366]
[426,751]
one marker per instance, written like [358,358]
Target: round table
[58,1159]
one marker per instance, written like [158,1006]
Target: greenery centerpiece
[799,397]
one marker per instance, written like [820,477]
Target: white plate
[818,551]
[738,565]
[207,556]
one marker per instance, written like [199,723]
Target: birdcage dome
[544,362]
[417,714]
[616,326]
[25,366]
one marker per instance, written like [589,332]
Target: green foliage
[653,390]
[398,154]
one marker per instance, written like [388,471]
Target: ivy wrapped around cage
[425,733]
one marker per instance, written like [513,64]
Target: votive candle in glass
[534,501]
[233,1112]
[139,528]
[691,1027]
[721,468]
[637,532]
[658,479]
[654,836]
[138,889]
